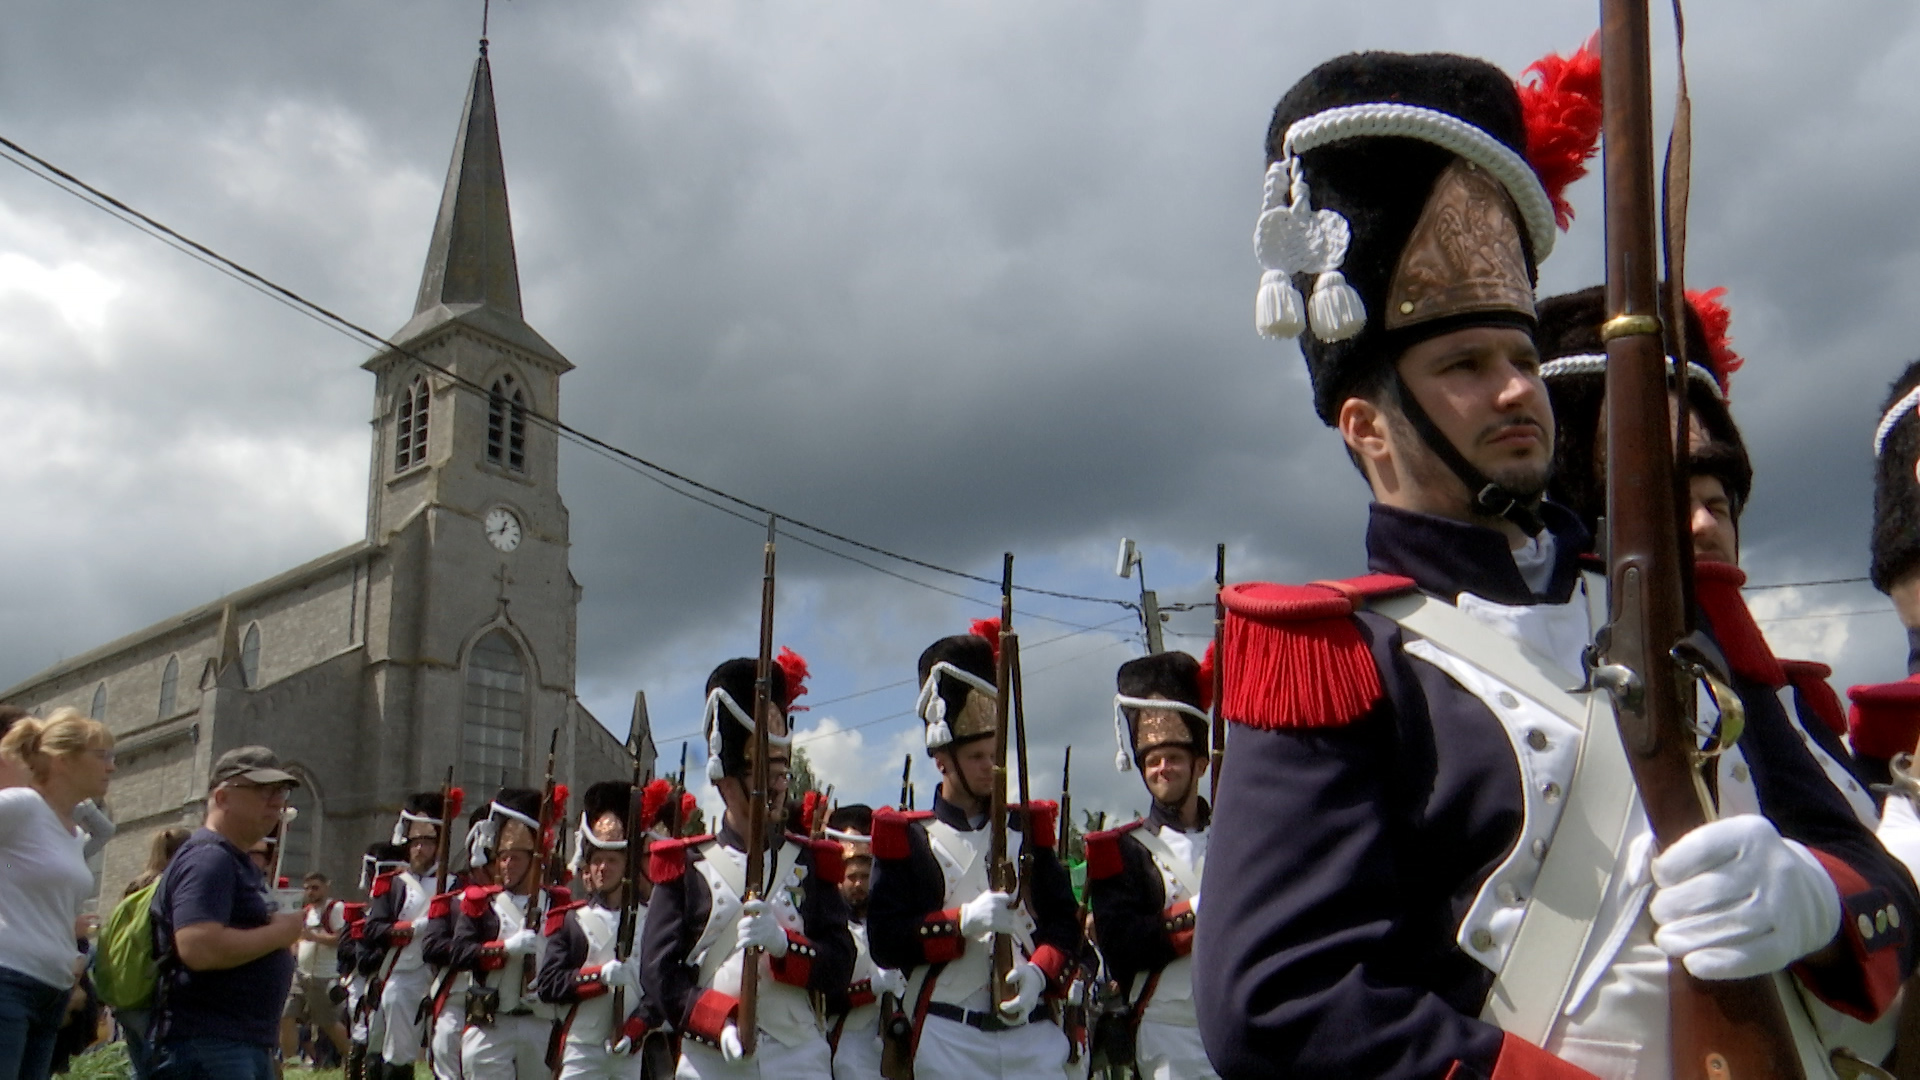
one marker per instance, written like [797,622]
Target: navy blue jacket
[1345,857]
[1129,900]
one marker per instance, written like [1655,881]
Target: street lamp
[1149,603]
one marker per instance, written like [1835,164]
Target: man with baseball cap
[225,964]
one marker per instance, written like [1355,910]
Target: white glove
[990,912]
[1026,983]
[730,1047]
[759,928]
[620,973]
[888,981]
[1734,899]
[522,943]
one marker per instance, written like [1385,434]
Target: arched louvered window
[494,730]
[250,656]
[298,856]
[170,687]
[410,425]
[507,424]
[98,710]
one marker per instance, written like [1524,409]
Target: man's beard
[1526,480]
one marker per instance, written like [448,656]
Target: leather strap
[1175,865]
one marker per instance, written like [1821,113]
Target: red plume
[989,629]
[1560,102]
[1205,679]
[810,807]
[795,667]
[652,798]
[688,804]
[560,802]
[456,800]
[1715,320]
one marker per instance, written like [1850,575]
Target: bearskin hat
[852,826]
[1575,372]
[1142,683]
[606,797]
[1896,484]
[730,694]
[520,806]
[1401,197]
[381,856]
[958,698]
[420,808]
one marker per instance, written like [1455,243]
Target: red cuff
[1178,921]
[797,965]
[940,938]
[493,956]
[402,932]
[587,984]
[1521,1060]
[634,1030]
[1874,929]
[861,993]
[711,1013]
[1051,962]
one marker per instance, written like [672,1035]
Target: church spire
[471,258]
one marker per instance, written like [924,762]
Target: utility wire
[95,197]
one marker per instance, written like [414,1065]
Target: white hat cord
[407,818]
[371,868]
[1291,237]
[1123,735]
[933,708]
[498,809]
[480,841]
[1894,415]
[848,837]
[1596,364]
[710,723]
[583,839]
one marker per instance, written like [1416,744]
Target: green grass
[109,1062]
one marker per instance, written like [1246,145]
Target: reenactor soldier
[580,969]
[398,903]
[854,1021]
[496,939]
[933,913]
[446,1004]
[366,1029]
[700,924]
[1143,879]
[1405,747]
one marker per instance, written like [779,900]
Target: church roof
[471,275]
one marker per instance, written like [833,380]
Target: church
[445,637]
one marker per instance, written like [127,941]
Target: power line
[120,211]
[1805,584]
[1828,615]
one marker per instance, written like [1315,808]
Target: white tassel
[938,734]
[1276,311]
[715,770]
[1336,308]
[1123,757]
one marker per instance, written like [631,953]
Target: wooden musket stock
[759,791]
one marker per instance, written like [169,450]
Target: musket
[629,895]
[1073,1018]
[679,789]
[999,868]
[452,799]
[817,828]
[906,782]
[758,792]
[1066,804]
[1217,755]
[552,799]
[1721,1028]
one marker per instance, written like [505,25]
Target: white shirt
[317,960]
[43,881]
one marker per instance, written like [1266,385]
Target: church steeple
[472,275]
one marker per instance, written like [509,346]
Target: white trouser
[400,1003]
[1171,1052]
[771,1060]
[511,1048]
[857,1055]
[950,1050]
[584,1060]
[448,1028]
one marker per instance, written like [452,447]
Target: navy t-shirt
[210,880]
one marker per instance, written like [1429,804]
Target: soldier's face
[853,886]
[1170,772]
[1715,538]
[604,871]
[423,846]
[971,765]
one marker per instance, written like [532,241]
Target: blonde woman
[68,758]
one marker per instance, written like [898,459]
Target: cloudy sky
[953,278]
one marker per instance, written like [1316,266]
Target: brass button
[1539,849]
[1864,925]
[1406,307]
[1551,791]
[1893,916]
[1537,739]
[1507,893]
[1880,921]
[1507,701]
[1481,939]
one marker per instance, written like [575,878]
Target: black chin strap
[1489,498]
[1913,652]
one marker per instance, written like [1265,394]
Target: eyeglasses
[275,793]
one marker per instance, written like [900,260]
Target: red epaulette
[1294,655]
[667,860]
[1043,817]
[1103,851]
[477,898]
[890,831]
[557,916]
[382,883]
[1716,585]
[352,912]
[829,861]
[442,905]
[1810,679]
[1885,719]
[559,894]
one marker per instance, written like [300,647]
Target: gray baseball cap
[256,764]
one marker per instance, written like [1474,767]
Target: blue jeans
[210,1058]
[135,1026]
[31,1014]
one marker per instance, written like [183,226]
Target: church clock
[503,529]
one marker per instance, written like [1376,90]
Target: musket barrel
[999,868]
[759,791]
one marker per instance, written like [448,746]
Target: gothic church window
[495,727]
[250,656]
[507,424]
[98,710]
[169,686]
[410,426]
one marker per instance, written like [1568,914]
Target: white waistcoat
[511,910]
[963,862]
[412,910]
[784,1012]
[593,1018]
[1180,858]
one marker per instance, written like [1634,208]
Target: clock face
[503,529]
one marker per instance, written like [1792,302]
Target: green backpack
[125,971]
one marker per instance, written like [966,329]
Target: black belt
[983,1021]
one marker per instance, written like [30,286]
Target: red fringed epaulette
[1294,655]
[557,916]
[667,859]
[442,905]
[1043,817]
[890,831]
[383,883]
[1885,719]
[1717,586]
[477,898]
[353,912]
[559,894]
[1103,852]
[1810,679]
[829,859]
